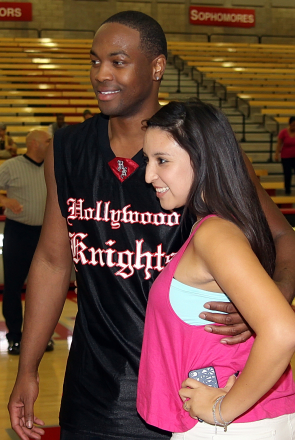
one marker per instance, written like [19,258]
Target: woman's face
[168,168]
[292,127]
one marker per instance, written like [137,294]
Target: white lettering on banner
[221,17]
[103,213]
[10,12]
[126,261]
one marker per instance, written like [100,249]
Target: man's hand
[233,323]
[21,409]
[12,204]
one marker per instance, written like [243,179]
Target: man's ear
[159,65]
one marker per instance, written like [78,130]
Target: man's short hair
[87,112]
[152,38]
[2,126]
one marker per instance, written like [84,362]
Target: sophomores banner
[12,11]
[208,16]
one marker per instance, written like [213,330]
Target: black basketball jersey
[121,240]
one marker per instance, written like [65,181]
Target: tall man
[23,179]
[120,240]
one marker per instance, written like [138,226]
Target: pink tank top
[172,348]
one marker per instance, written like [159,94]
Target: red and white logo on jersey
[122,167]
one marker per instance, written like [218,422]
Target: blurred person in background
[59,123]
[286,149]
[7,145]
[87,114]
[23,179]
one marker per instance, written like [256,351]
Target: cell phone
[205,375]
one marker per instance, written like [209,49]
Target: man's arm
[284,238]
[11,204]
[284,276]
[47,288]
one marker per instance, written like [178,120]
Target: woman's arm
[228,257]
[234,328]
[278,149]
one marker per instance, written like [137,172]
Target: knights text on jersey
[121,240]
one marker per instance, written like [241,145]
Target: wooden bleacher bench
[53,56]
[230,64]
[252,88]
[48,50]
[271,187]
[67,68]
[46,86]
[37,60]
[284,201]
[282,120]
[40,101]
[278,111]
[33,120]
[60,57]
[23,129]
[225,56]
[262,77]
[43,79]
[13,75]
[267,96]
[269,104]
[49,110]
[261,172]
[58,94]
[261,82]
[22,150]
[10,94]
[244,70]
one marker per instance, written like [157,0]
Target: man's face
[60,119]
[121,74]
[44,142]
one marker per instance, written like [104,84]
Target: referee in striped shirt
[23,179]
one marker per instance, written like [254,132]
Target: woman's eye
[94,62]
[161,161]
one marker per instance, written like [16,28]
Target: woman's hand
[199,398]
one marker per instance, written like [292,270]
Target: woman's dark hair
[222,184]
[292,119]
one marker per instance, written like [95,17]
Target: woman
[193,160]
[286,148]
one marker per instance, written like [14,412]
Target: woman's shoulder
[283,133]
[216,230]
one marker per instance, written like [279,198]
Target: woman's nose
[150,174]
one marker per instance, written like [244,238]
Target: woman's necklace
[196,224]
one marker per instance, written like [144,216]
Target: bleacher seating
[42,77]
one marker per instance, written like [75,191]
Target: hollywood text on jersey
[103,213]
[126,261]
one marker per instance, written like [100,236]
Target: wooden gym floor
[51,374]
